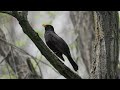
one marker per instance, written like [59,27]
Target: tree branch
[15,60]
[50,56]
[32,69]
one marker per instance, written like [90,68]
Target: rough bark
[28,30]
[83,23]
[16,61]
[105,47]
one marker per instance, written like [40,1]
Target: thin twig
[34,58]
[38,67]
[8,71]
[5,57]
[49,66]
[32,69]
[14,62]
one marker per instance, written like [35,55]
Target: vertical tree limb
[83,23]
[105,45]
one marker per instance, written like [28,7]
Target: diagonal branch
[7,12]
[50,56]
[22,51]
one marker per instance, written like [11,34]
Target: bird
[58,45]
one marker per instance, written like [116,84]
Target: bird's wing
[60,44]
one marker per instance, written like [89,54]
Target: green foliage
[4,18]
[20,43]
[51,13]
[7,77]
[7,74]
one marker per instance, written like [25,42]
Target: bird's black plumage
[58,45]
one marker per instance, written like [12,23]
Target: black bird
[58,45]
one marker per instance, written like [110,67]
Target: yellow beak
[43,25]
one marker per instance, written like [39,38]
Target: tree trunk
[105,47]
[83,23]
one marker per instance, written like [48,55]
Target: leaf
[20,43]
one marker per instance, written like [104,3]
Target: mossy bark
[105,49]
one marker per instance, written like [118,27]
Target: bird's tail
[75,66]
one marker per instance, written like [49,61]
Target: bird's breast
[48,36]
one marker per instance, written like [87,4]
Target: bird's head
[48,27]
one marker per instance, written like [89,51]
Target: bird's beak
[43,25]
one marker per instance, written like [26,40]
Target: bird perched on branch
[58,45]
